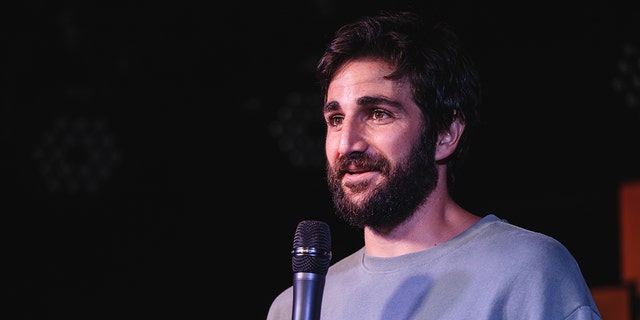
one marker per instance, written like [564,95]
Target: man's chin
[357,188]
[357,194]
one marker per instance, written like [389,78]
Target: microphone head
[311,247]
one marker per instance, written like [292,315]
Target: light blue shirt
[493,270]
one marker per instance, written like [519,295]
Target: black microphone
[311,256]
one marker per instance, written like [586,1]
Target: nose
[352,138]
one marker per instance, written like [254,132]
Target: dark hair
[444,81]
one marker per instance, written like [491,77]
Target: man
[400,101]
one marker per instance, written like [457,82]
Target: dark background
[157,156]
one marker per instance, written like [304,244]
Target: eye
[334,120]
[380,116]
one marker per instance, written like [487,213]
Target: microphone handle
[307,295]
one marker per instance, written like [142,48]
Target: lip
[359,175]
[356,170]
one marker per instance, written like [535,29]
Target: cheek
[331,148]
[395,147]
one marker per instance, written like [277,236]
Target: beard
[396,199]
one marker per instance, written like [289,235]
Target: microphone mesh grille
[311,247]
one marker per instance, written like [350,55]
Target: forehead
[366,77]
[366,69]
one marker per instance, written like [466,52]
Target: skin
[389,126]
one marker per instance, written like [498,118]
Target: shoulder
[545,267]
[523,246]
[280,308]
[512,235]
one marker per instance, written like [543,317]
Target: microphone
[311,256]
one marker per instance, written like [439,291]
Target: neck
[438,220]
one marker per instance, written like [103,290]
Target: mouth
[356,170]
[360,167]
[358,175]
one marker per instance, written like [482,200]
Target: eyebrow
[365,101]
[368,100]
[331,106]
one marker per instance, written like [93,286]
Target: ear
[448,140]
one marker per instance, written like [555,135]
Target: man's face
[379,168]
